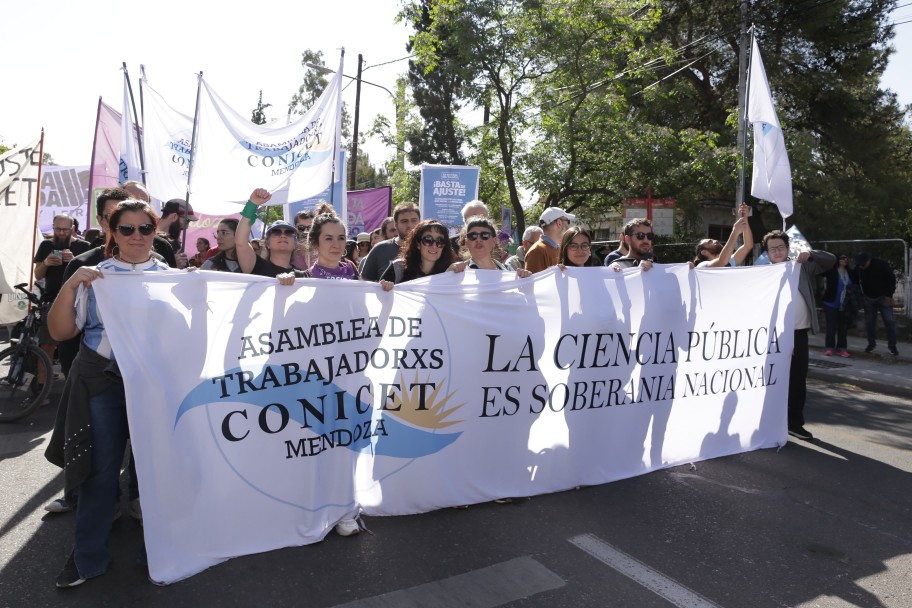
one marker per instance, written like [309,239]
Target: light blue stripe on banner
[632,568]
[485,588]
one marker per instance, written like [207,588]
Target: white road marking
[632,568]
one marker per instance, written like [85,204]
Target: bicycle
[20,392]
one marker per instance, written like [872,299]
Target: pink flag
[367,209]
[105,169]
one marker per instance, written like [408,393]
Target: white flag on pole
[772,177]
[232,156]
[130,168]
[166,145]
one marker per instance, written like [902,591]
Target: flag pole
[742,98]
[142,162]
[199,88]
[336,137]
[142,112]
[37,202]
[92,168]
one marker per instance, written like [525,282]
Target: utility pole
[742,94]
[354,154]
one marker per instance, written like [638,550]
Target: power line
[375,65]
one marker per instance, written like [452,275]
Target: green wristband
[249,211]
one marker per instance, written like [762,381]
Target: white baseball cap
[554,213]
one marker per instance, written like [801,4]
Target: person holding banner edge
[811,264]
[280,241]
[427,251]
[91,432]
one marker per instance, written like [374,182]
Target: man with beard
[50,262]
[406,216]
[175,216]
[638,237]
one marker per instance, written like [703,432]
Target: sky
[62,55]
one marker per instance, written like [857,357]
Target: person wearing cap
[176,215]
[877,283]
[812,263]
[364,243]
[280,241]
[544,254]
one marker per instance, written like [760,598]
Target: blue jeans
[98,493]
[871,307]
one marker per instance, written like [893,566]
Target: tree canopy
[586,103]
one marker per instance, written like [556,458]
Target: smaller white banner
[18,233]
[166,146]
[232,156]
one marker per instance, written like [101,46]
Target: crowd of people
[91,433]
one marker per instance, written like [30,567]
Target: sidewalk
[879,371]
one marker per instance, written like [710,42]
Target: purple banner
[368,208]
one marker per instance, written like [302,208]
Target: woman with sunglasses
[838,302]
[576,248]
[426,251]
[91,430]
[480,247]
[226,258]
[280,242]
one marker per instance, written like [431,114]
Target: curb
[867,384]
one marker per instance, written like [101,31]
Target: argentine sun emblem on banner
[232,156]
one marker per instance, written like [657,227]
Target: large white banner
[232,156]
[166,146]
[291,407]
[18,233]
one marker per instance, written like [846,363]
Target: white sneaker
[58,506]
[347,527]
[136,510]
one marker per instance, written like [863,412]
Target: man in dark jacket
[877,283]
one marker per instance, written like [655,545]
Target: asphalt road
[825,523]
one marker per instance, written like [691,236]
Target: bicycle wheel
[17,372]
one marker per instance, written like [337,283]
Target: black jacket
[878,280]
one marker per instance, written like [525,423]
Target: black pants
[798,374]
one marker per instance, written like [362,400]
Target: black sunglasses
[283,231]
[644,235]
[302,228]
[439,241]
[484,236]
[129,229]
